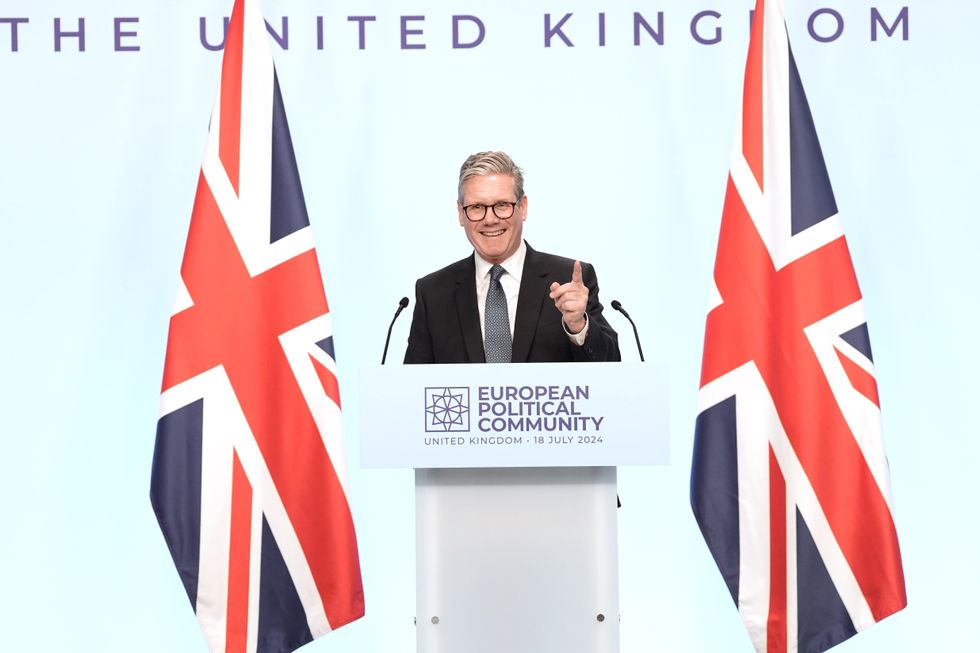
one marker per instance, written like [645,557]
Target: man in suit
[507,302]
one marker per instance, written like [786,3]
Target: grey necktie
[496,324]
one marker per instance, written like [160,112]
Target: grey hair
[491,163]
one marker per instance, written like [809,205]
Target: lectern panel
[522,560]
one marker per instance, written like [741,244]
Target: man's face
[493,238]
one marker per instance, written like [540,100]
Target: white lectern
[515,494]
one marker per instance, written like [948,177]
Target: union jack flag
[248,481]
[789,481]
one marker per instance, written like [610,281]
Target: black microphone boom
[619,307]
[401,307]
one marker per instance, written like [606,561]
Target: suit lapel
[469,314]
[534,289]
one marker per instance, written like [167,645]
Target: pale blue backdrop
[626,149]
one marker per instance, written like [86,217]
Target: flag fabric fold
[789,481]
[248,480]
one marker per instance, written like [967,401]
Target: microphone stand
[619,307]
[401,306]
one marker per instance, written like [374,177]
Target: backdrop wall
[625,142]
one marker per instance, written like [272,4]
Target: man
[508,303]
[505,303]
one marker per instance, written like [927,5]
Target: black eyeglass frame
[494,206]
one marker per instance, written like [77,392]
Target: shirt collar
[513,265]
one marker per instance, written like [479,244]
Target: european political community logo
[447,410]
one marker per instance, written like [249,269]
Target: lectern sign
[516,415]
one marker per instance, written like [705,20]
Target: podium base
[522,560]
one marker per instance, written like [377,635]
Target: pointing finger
[576,272]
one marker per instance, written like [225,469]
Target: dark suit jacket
[446,323]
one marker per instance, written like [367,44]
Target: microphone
[401,307]
[619,307]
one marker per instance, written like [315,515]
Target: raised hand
[571,299]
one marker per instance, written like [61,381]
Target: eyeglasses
[476,212]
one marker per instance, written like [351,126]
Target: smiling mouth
[492,233]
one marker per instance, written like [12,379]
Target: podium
[515,494]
